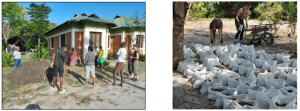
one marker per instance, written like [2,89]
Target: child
[17,57]
[90,65]
[72,57]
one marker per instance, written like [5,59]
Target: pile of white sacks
[274,87]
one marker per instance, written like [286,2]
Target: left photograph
[73,55]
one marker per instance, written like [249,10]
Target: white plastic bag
[212,91]
[285,102]
[250,72]
[237,104]
[263,100]
[275,83]
[288,90]
[232,83]
[242,88]
[250,81]
[204,88]
[242,70]
[253,91]
[291,80]
[258,63]
[235,68]
[198,83]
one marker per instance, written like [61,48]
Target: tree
[198,10]
[39,14]
[6,31]
[13,14]
[269,11]
[52,25]
[138,19]
[187,14]
[179,13]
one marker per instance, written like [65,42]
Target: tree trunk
[188,10]
[39,41]
[179,12]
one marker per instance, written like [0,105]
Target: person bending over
[216,24]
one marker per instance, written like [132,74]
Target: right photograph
[235,55]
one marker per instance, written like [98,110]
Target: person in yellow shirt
[101,57]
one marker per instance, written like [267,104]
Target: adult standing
[239,20]
[17,57]
[59,60]
[135,62]
[101,57]
[96,56]
[120,63]
[130,54]
[90,65]
[216,24]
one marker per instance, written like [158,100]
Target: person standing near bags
[239,22]
[101,58]
[90,66]
[130,54]
[17,57]
[59,60]
[216,24]
[135,62]
[120,63]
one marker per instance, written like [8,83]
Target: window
[52,42]
[108,43]
[95,39]
[139,40]
[62,40]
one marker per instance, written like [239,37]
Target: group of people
[92,57]
[216,23]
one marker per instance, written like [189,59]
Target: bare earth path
[100,96]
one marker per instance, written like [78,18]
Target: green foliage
[142,57]
[38,15]
[197,10]
[110,56]
[6,58]
[291,12]
[106,63]
[14,13]
[41,54]
[269,11]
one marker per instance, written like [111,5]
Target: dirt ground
[185,96]
[101,96]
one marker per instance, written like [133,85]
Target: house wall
[68,41]
[79,44]
[56,45]
[66,27]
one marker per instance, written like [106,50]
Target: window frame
[52,42]
[141,43]
[61,39]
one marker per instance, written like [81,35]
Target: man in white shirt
[120,63]
[17,57]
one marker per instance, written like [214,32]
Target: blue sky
[63,11]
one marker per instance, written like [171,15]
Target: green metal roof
[117,22]
[122,21]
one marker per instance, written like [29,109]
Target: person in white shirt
[17,57]
[120,63]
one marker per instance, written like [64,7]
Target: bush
[110,56]
[6,59]
[41,54]
[142,57]
[106,63]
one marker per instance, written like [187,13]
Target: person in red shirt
[216,24]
